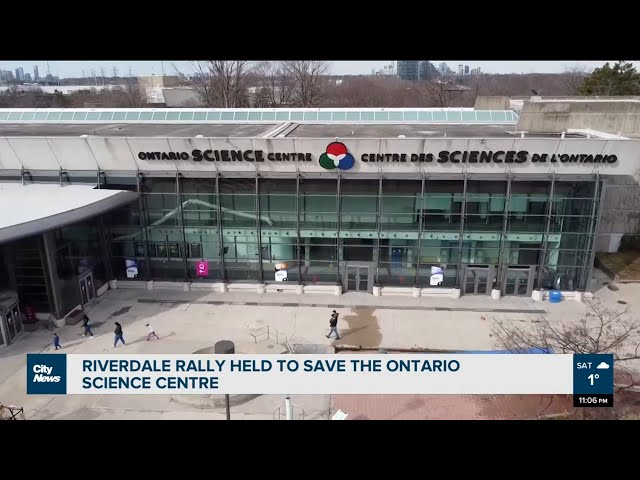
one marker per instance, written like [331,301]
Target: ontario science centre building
[418,201]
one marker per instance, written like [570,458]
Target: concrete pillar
[416,292]
[537,295]
[299,289]
[223,287]
[337,290]
[377,291]
[186,286]
[150,285]
[456,293]
[262,288]
[579,296]
[496,294]
[307,253]
[113,284]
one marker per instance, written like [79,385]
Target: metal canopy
[36,208]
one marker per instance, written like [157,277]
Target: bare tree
[573,78]
[307,77]
[275,84]
[134,95]
[441,94]
[600,330]
[220,83]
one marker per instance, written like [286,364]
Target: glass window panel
[241,116]
[353,116]
[297,116]
[270,116]
[159,115]
[454,116]
[66,116]
[172,116]
[29,115]
[367,116]
[200,115]
[311,115]
[469,116]
[132,116]
[186,115]
[339,116]
[255,116]
[498,116]
[440,116]
[396,116]
[43,116]
[410,116]
[56,116]
[425,116]
[5,115]
[119,115]
[213,115]
[483,116]
[282,115]
[15,115]
[226,115]
[382,116]
[146,115]
[324,116]
[106,115]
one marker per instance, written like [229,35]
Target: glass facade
[244,227]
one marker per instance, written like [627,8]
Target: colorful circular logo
[337,156]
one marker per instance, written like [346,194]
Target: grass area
[624,264]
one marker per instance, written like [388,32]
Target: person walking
[151,332]
[85,324]
[118,332]
[333,324]
[56,341]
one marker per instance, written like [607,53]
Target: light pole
[225,347]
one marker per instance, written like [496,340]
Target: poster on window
[437,276]
[202,268]
[281,272]
[132,268]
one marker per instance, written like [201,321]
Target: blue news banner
[588,377]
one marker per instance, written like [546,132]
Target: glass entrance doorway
[518,281]
[357,278]
[478,280]
[87,289]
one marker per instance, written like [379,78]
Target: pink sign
[202,268]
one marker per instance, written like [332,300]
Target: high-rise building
[443,68]
[478,71]
[27,77]
[36,75]
[466,69]
[460,70]
[20,74]
[408,69]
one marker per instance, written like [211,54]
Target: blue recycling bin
[555,296]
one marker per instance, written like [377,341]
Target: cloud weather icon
[336,156]
[603,366]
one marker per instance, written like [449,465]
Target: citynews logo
[46,374]
[43,374]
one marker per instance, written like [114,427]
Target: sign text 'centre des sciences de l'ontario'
[442,157]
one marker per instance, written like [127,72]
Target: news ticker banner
[589,377]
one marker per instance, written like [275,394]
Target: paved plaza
[190,321]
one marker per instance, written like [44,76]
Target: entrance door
[357,278]
[518,281]
[477,280]
[87,290]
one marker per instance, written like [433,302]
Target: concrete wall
[611,116]
[620,212]
[492,103]
[181,97]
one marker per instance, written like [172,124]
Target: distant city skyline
[66,69]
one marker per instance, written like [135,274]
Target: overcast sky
[75,68]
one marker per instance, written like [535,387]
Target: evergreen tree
[621,79]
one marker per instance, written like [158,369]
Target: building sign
[338,157]
[477,156]
[202,268]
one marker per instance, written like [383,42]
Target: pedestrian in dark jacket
[333,324]
[85,324]
[56,341]
[118,332]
